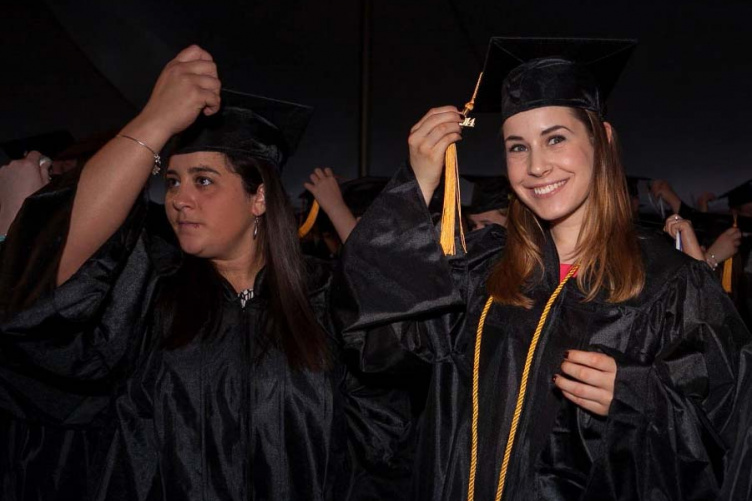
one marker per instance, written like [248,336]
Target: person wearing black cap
[490,201]
[572,358]
[183,357]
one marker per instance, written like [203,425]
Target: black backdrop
[681,108]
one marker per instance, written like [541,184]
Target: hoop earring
[255,226]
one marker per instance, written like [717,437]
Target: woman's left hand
[591,380]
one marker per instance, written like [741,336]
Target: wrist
[151,132]
[711,260]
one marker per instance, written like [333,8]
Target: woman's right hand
[726,245]
[187,86]
[428,141]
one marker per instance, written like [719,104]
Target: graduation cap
[632,185]
[360,193]
[489,193]
[50,144]
[263,128]
[740,195]
[521,74]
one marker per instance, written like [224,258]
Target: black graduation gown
[682,353]
[96,407]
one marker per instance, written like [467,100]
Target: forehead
[213,159]
[539,119]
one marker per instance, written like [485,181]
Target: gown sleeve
[679,415]
[63,349]
[397,296]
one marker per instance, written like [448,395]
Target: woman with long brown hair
[182,352]
[571,357]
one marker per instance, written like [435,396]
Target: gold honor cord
[452,209]
[310,220]
[728,268]
[520,395]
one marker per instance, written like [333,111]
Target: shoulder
[667,268]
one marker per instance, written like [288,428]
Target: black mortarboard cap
[263,128]
[521,74]
[632,185]
[489,193]
[50,144]
[740,195]
[360,193]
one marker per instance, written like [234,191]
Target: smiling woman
[571,357]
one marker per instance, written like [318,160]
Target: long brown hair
[289,322]
[609,254]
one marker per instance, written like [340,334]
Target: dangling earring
[255,226]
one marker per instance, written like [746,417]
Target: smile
[549,189]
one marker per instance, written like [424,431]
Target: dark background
[682,107]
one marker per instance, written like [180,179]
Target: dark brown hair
[289,322]
[609,254]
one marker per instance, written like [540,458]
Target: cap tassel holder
[728,268]
[305,228]
[452,208]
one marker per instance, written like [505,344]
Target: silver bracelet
[712,262]
[157,159]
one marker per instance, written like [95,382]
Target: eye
[204,181]
[556,140]
[517,148]
[172,183]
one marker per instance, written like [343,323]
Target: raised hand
[428,141]
[726,245]
[18,180]
[325,189]
[691,246]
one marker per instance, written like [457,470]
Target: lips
[548,189]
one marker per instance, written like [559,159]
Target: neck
[241,271]
[566,233]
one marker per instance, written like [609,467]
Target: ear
[258,204]
[609,131]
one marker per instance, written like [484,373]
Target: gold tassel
[452,209]
[310,220]
[728,268]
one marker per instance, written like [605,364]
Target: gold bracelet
[157,159]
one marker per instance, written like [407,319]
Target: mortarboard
[359,193]
[50,144]
[263,128]
[489,193]
[740,195]
[521,74]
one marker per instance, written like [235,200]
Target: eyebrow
[551,129]
[197,169]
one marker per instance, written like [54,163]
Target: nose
[180,199]
[538,166]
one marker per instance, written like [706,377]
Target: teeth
[543,190]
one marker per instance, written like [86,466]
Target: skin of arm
[112,180]
[325,188]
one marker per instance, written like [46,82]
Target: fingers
[432,113]
[595,407]
[192,53]
[590,380]
[212,102]
[599,361]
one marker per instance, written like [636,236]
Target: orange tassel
[310,220]
[452,209]
[728,268]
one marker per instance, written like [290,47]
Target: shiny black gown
[94,405]
[679,421]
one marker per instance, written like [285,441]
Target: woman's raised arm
[112,180]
